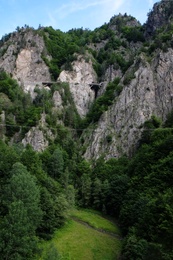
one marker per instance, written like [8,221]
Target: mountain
[140,56]
[88,114]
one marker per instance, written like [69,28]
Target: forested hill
[86,120]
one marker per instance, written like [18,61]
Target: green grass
[76,241]
[96,220]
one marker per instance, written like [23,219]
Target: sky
[68,14]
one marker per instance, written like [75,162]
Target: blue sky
[65,15]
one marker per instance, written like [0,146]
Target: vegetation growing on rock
[130,118]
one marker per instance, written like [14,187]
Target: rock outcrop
[161,15]
[22,59]
[149,93]
[36,139]
[38,136]
[79,79]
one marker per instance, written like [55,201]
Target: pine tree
[23,187]
[97,190]
[56,164]
[18,226]
[17,236]
[86,190]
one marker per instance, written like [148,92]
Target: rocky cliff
[160,15]
[118,49]
[79,79]
[149,93]
[22,59]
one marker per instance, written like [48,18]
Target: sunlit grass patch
[76,241]
[96,220]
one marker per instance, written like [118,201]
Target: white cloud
[51,21]
[113,7]
[95,12]
[76,6]
[150,3]
[98,11]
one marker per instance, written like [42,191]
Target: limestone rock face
[22,59]
[149,93]
[119,129]
[30,67]
[159,16]
[57,99]
[2,125]
[79,79]
[37,137]
[7,61]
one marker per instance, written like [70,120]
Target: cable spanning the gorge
[80,129]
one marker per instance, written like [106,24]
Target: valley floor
[86,236]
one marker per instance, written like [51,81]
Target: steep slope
[43,61]
[94,95]
[79,79]
[22,59]
[24,56]
[149,93]
[159,16]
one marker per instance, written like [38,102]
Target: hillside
[133,58]
[86,120]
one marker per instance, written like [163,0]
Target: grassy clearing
[96,220]
[76,241]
